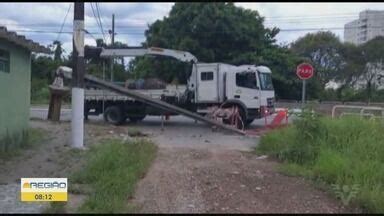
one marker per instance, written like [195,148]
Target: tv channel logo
[44,189]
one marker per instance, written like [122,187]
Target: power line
[97,21]
[315,16]
[65,18]
[302,22]
[266,18]
[100,19]
[90,34]
[141,33]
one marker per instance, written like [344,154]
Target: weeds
[11,144]
[344,152]
[112,170]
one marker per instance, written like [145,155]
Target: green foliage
[39,91]
[322,50]
[342,62]
[11,144]
[283,62]
[222,32]
[58,50]
[215,32]
[345,151]
[291,169]
[328,165]
[55,208]
[112,170]
[42,73]
[101,68]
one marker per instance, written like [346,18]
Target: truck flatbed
[103,94]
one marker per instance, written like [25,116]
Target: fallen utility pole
[157,103]
[77,120]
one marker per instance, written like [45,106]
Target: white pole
[77,120]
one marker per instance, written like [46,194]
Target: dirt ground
[184,180]
[196,171]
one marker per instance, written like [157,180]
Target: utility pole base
[77,121]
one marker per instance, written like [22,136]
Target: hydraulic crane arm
[132,52]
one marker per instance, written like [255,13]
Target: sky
[131,19]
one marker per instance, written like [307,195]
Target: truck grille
[270,102]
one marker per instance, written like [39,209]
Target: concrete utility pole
[112,43]
[77,120]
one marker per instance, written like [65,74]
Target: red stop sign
[304,71]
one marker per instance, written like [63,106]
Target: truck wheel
[136,118]
[114,115]
[242,116]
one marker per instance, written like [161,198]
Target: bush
[112,170]
[347,151]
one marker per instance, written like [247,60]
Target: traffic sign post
[304,71]
[303,94]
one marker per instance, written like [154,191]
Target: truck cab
[247,86]
[252,85]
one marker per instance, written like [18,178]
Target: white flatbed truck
[213,89]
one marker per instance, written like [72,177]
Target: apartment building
[369,25]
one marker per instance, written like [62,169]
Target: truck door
[207,83]
[247,89]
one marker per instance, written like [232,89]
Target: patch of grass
[347,151]
[55,208]
[291,169]
[11,144]
[112,170]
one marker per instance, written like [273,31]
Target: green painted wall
[15,90]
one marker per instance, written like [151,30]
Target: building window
[205,76]
[4,61]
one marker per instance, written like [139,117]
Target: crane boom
[132,52]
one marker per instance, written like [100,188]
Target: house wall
[15,91]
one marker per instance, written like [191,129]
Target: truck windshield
[246,80]
[265,81]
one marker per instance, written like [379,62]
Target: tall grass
[12,143]
[347,151]
[112,170]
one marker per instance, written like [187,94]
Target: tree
[97,66]
[215,32]
[323,51]
[42,67]
[351,69]
[372,55]
[283,62]
[100,43]
[58,50]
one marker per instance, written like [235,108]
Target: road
[179,131]
[42,112]
[197,170]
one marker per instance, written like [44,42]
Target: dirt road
[185,180]
[196,171]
